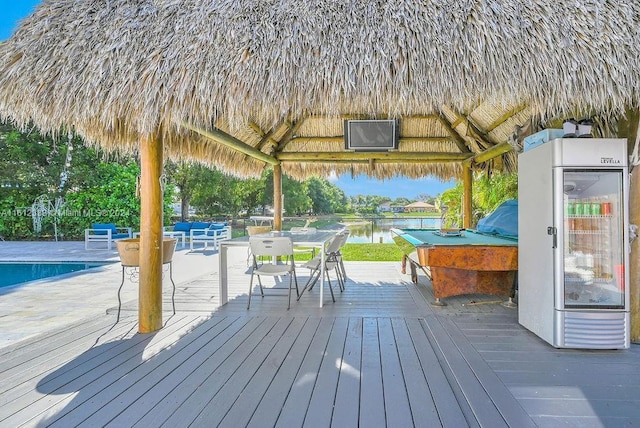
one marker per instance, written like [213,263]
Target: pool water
[17,273]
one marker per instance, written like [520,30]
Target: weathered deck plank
[319,411]
[396,400]
[184,403]
[295,406]
[117,397]
[347,402]
[372,393]
[379,356]
[484,410]
[445,401]
[269,405]
[176,380]
[250,382]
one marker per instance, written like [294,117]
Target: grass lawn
[371,252]
[365,253]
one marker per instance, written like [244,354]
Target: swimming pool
[18,273]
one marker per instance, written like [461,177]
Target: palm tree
[488,193]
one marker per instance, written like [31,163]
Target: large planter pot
[129,251]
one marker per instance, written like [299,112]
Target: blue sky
[393,188]
[11,11]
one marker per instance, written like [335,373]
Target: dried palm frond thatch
[460,75]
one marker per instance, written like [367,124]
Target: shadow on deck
[379,356]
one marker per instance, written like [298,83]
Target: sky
[12,11]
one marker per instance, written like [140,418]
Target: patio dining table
[316,239]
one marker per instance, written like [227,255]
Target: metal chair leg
[250,290]
[173,294]
[289,296]
[119,300]
[330,288]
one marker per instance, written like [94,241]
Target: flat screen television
[371,135]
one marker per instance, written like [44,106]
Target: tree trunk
[184,208]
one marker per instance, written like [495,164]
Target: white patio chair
[337,255]
[333,260]
[265,252]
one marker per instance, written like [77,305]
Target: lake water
[378,230]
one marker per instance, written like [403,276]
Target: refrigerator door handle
[553,232]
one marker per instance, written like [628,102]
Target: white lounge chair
[215,233]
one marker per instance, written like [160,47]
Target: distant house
[385,207]
[420,207]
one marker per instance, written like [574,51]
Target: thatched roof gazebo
[250,83]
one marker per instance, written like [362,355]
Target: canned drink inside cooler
[570,209]
[579,208]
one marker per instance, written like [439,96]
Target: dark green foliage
[95,188]
[487,194]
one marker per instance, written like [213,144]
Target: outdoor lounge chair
[105,232]
[213,234]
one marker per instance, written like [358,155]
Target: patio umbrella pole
[150,291]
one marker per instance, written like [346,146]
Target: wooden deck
[380,356]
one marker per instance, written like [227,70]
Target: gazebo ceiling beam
[489,154]
[266,137]
[376,161]
[457,138]
[366,116]
[293,128]
[377,156]
[506,116]
[314,140]
[476,131]
[232,142]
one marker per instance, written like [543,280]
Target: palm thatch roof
[280,76]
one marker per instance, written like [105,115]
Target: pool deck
[43,305]
[379,356]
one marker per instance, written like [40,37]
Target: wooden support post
[277,197]
[467,186]
[634,257]
[628,128]
[150,287]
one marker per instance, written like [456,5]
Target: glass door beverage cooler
[573,247]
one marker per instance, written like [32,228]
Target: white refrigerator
[573,245]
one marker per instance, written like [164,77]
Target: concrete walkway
[47,304]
